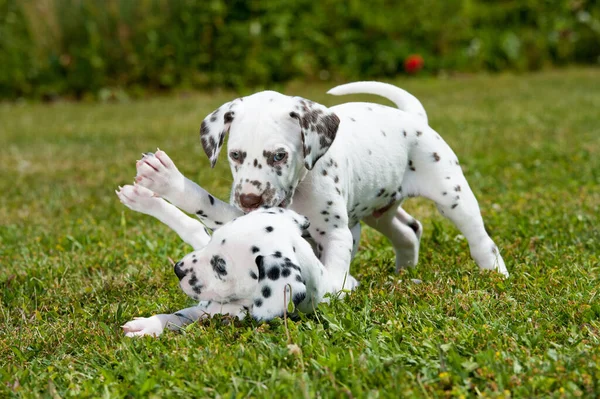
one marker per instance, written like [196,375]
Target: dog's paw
[157,172]
[343,285]
[141,326]
[139,198]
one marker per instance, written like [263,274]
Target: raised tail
[403,99]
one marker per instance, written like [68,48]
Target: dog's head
[262,269]
[273,140]
[208,275]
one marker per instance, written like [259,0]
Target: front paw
[157,172]
[139,198]
[141,326]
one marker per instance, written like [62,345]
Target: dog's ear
[319,127]
[280,284]
[214,128]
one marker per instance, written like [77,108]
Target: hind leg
[438,176]
[403,231]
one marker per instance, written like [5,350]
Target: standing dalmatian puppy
[258,264]
[339,165]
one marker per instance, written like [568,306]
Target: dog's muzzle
[250,201]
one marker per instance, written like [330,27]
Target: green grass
[75,264]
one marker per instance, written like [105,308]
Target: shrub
[75,47]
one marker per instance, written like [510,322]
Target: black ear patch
[215,127]
[219,266]
[319,127]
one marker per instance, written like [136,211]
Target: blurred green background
[97,48]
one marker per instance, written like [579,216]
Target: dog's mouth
[287,200]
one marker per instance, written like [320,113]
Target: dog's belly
[375,143]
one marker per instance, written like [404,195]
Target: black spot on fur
[219,265]
[253,275]
[269,229]
[266,291]
[277,254]
[457,188]
[454,206]
[223,242]
[228,117]
[299,278]
[299,297]
[258,303]
[436,157]
[254,249]
[286,272]
[273,273]
[419,133]
[211,199]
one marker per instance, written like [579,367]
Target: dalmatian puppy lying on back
[258,264]
[339,165]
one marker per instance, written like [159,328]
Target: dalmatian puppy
[338,165]
[258,264]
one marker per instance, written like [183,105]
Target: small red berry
[413,63]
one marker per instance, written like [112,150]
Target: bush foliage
[50,47]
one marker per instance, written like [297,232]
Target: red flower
[413,63]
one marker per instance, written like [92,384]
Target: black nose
[250,201]
[179,272]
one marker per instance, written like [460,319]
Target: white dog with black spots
[338,165]
[257,264]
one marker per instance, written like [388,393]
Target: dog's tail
[403,99]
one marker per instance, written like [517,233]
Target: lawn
[75,264]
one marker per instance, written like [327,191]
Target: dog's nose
[179,272]
[250,201]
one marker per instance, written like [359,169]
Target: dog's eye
[235,155]
[279,156]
